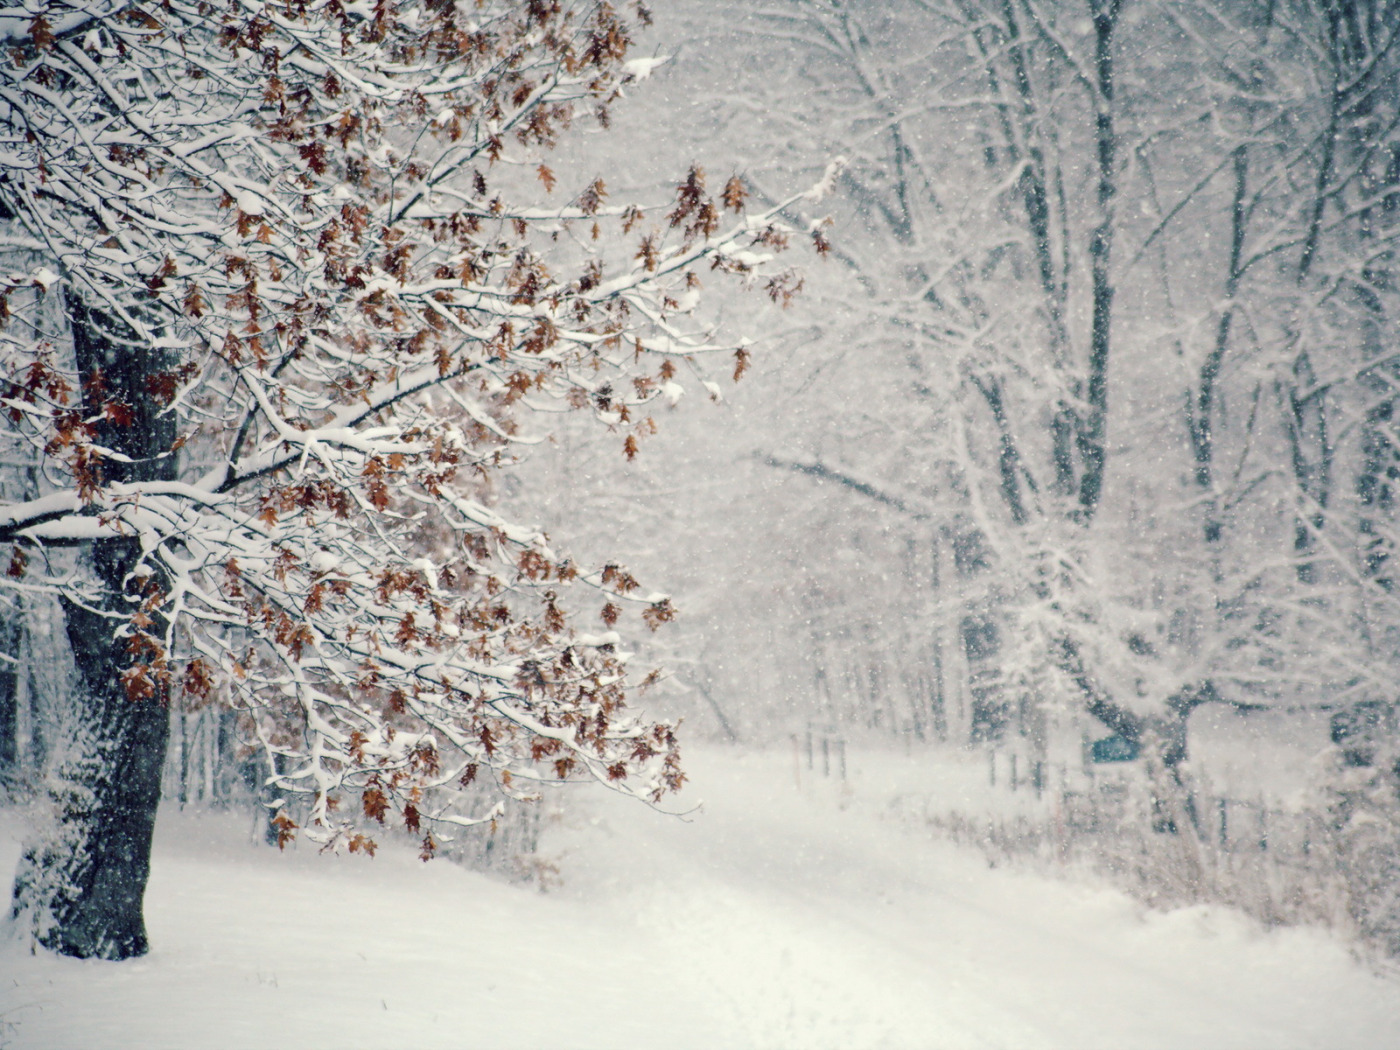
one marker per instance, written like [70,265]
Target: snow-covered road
[774,918]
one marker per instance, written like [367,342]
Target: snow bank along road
[774,918]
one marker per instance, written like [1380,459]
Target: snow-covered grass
[781,915]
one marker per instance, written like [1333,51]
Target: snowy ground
[779,917]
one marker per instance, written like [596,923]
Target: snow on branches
[281,286]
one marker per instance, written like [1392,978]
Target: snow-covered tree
[1112,342]
[286,281]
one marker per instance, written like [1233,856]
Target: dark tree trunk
[1162,738]
[1093,439]
[81,883]
[11,630]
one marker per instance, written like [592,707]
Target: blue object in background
[1114,749]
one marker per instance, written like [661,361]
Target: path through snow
[774,918]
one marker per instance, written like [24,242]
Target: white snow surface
[778,916]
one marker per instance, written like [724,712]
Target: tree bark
[11,631]
[81,882]
[1093,438]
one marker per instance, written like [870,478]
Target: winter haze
[803,524]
